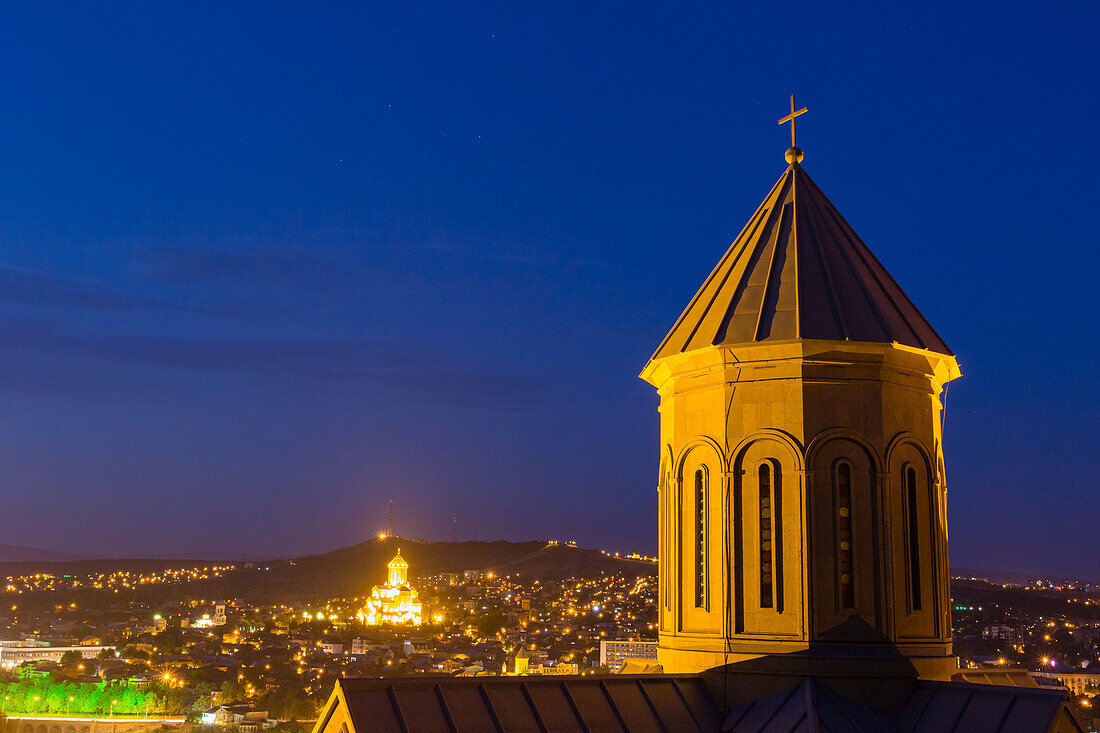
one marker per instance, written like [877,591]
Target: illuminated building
[394,602]
[801,476]
[207,622]
[203,623]
[520,662]
[13,656]
[613,652]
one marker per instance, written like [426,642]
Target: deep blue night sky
[264,267]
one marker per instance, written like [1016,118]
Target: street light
[71,698]
[111,710]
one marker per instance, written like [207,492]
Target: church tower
[801,493]
[398,574]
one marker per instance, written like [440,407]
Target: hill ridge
[353,569]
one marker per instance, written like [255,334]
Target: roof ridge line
[795,167]
[759,212]
[826,268]
[743,250]
[810,701]
[864,252]
[752,256]
[769,274]
[828,212]
[790,693]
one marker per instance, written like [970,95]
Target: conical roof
[799,271]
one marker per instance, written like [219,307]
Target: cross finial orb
[793,155]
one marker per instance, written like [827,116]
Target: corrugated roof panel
[984,712]
[420,708]
[818,312]
[512,709]
[594,707]
[713,306]
[752,717]
[631,704]
[838,714]
[790,719]
[851,296]
[553,708]
[809,708]
[670,706]
[914,709]
[1028,714]
[959,707]
[467,708]
[662,703]
[736,714]
[777,309]
[942,711]
[372,710]
[698,700]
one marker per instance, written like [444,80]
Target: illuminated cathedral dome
[399,570]
[394,602]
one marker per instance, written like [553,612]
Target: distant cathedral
[393,602]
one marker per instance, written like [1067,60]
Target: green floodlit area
[45,696]
[40,695]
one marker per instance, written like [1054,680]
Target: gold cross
[790,118]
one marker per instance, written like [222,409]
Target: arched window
[910,482]
[664,568]
[700,539]
[771,557]
[844,535]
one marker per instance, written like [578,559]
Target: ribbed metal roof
[675,704]
[807,708]
[935,707]
[799,271]
[958,707]
[668,703]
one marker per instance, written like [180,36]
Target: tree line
[42,696]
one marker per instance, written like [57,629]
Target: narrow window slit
[700,540]
[913,537]
[766,538]
[844,535]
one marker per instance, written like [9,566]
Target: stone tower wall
[784,504]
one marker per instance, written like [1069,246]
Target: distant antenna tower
[454,529]
[389,523]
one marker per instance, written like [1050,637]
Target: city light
[480,621]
